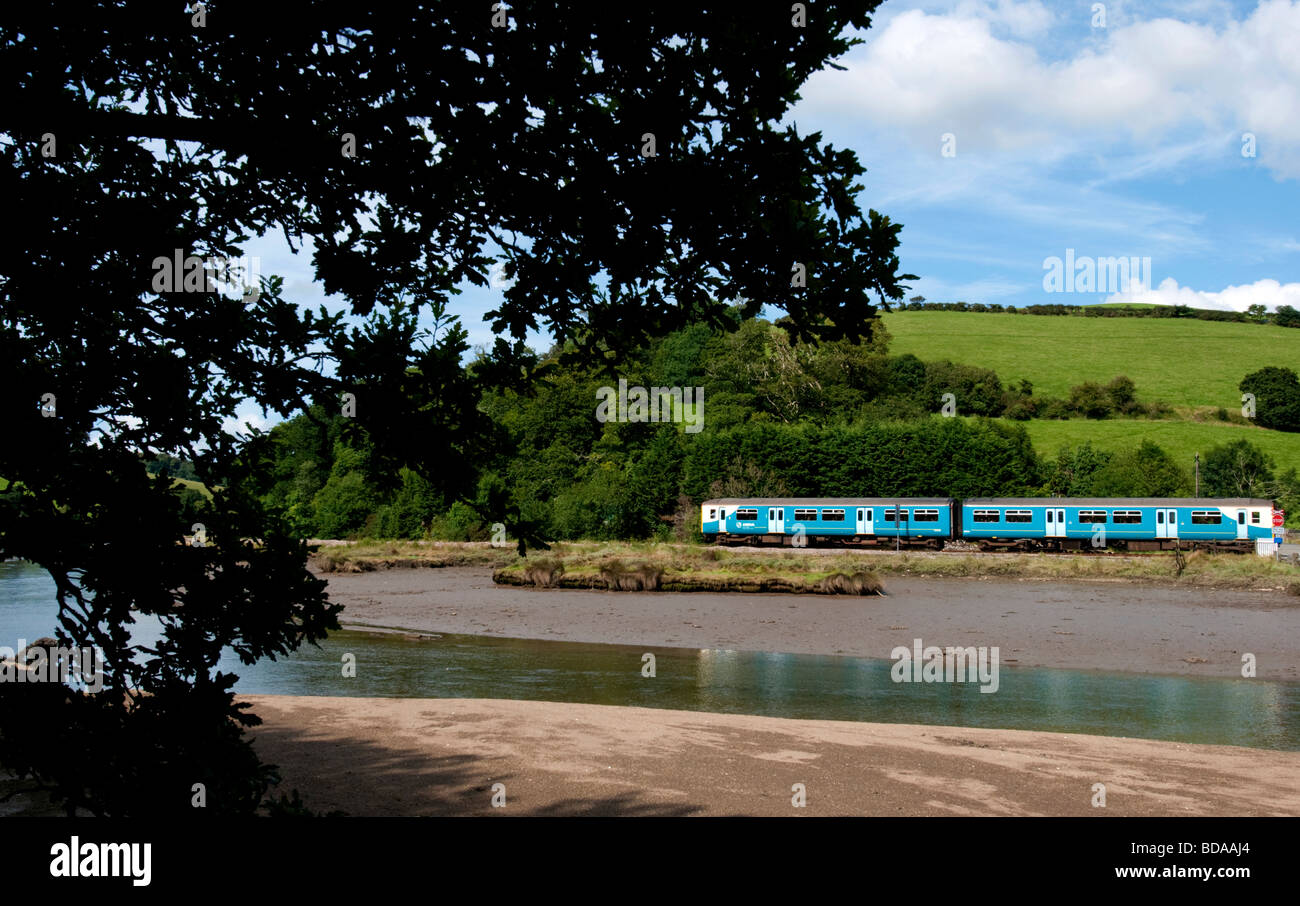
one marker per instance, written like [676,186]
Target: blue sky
[1113,132]
[1122,140]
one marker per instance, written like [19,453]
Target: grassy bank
[364,556]
[687,567]
[691,567]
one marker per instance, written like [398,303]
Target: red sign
[1279,516]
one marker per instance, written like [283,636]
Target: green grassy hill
[1182,440]
[1185,362]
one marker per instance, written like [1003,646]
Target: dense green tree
[1286,316]
[976,391]
[632,149]
[1073,472]
[1277,397]
[1144,471]
[1236,469]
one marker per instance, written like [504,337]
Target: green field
[1185,363]
[1181,440]
[1182,362]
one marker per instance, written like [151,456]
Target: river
[1257,713]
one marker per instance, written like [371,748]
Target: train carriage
[1072,523]
[903,522]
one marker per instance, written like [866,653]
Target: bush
[1091,400]
[1020,408]
[459,523]
[978,391]
[1277,397]
[1123,395]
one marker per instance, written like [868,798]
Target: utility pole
[1198,475]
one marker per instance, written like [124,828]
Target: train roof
[828,501]
[1118,501]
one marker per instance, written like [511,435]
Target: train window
[832,515]
[1128,517]
[1206,517]
[713,513]
[1092,516]
[805,515]
[1051,515]
[861,515]
[1241,517]
[1160,517]
[987,516]
[1020,516]
[747,515]
[892,516]
[1254,516]
[925,515]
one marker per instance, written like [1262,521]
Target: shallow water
[1254,712]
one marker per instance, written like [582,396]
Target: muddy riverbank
[1082,626]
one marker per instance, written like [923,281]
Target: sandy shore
[1103,626]
[444,756]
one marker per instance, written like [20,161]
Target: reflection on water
[1226,711]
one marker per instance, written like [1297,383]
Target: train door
[1055,522]
[1166,523]
[776,520]
[1242,531]
[864,521]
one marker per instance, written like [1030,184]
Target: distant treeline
[1284,316]
[780,417]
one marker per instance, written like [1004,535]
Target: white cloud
[249,413]
[1129,86]
[1269,293]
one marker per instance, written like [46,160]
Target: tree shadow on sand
[362,777]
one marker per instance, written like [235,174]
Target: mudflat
[1112,626]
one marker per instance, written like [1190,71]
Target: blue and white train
[994,523]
